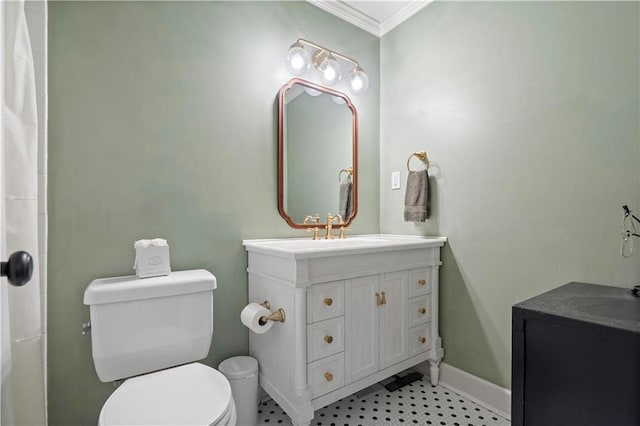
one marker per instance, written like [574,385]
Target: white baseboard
[480,391]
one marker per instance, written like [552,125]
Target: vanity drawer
[325,338]
[419,310]
[325,301]
[326,375]
[419,339]
[419,283]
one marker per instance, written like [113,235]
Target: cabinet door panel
[393,319]
[362,338]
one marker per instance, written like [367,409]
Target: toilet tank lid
[121,289]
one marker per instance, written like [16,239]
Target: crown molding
[344,11]
[347,13]
[402,15]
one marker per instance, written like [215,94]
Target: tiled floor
[417,403]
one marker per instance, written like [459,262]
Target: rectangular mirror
[317,153]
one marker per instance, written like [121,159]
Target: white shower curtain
[22,370]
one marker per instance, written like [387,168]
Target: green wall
[162,124]
[529,113]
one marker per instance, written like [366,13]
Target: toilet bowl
[150,332]
[192,394]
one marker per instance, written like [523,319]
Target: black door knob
[18,269]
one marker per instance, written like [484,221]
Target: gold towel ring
[421,155]
[348,171]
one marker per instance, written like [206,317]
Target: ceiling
[377,17]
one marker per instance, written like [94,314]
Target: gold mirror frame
[281,147]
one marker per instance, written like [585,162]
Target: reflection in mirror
[317,149]
[315,152]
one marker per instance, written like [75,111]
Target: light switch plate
[395,180]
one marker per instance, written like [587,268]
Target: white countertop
[352,244]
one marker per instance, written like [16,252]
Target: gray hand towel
[417,204]
[344,202]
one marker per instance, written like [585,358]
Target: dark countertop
[597,304]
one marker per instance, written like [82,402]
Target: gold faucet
[330,219]
[315,219]
[342,229]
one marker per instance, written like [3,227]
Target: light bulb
[358,81]
[298,59]
[329,71]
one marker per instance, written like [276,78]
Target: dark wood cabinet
[576,358]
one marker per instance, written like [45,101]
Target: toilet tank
[144,325]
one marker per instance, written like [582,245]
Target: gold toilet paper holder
[275,316]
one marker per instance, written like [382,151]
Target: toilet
[149,332]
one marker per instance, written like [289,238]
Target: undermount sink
[308,246]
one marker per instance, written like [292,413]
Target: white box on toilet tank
[152,258]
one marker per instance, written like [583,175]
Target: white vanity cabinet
[357,311]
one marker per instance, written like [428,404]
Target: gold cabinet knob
[328,339]
[328,376]
[422,282]
[422,339]
[328,301]
[422,311]
[378,301]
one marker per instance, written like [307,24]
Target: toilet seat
[192,394]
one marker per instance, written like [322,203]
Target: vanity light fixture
[325,62]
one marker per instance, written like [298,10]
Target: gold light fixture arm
[333,52]
[304,54]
